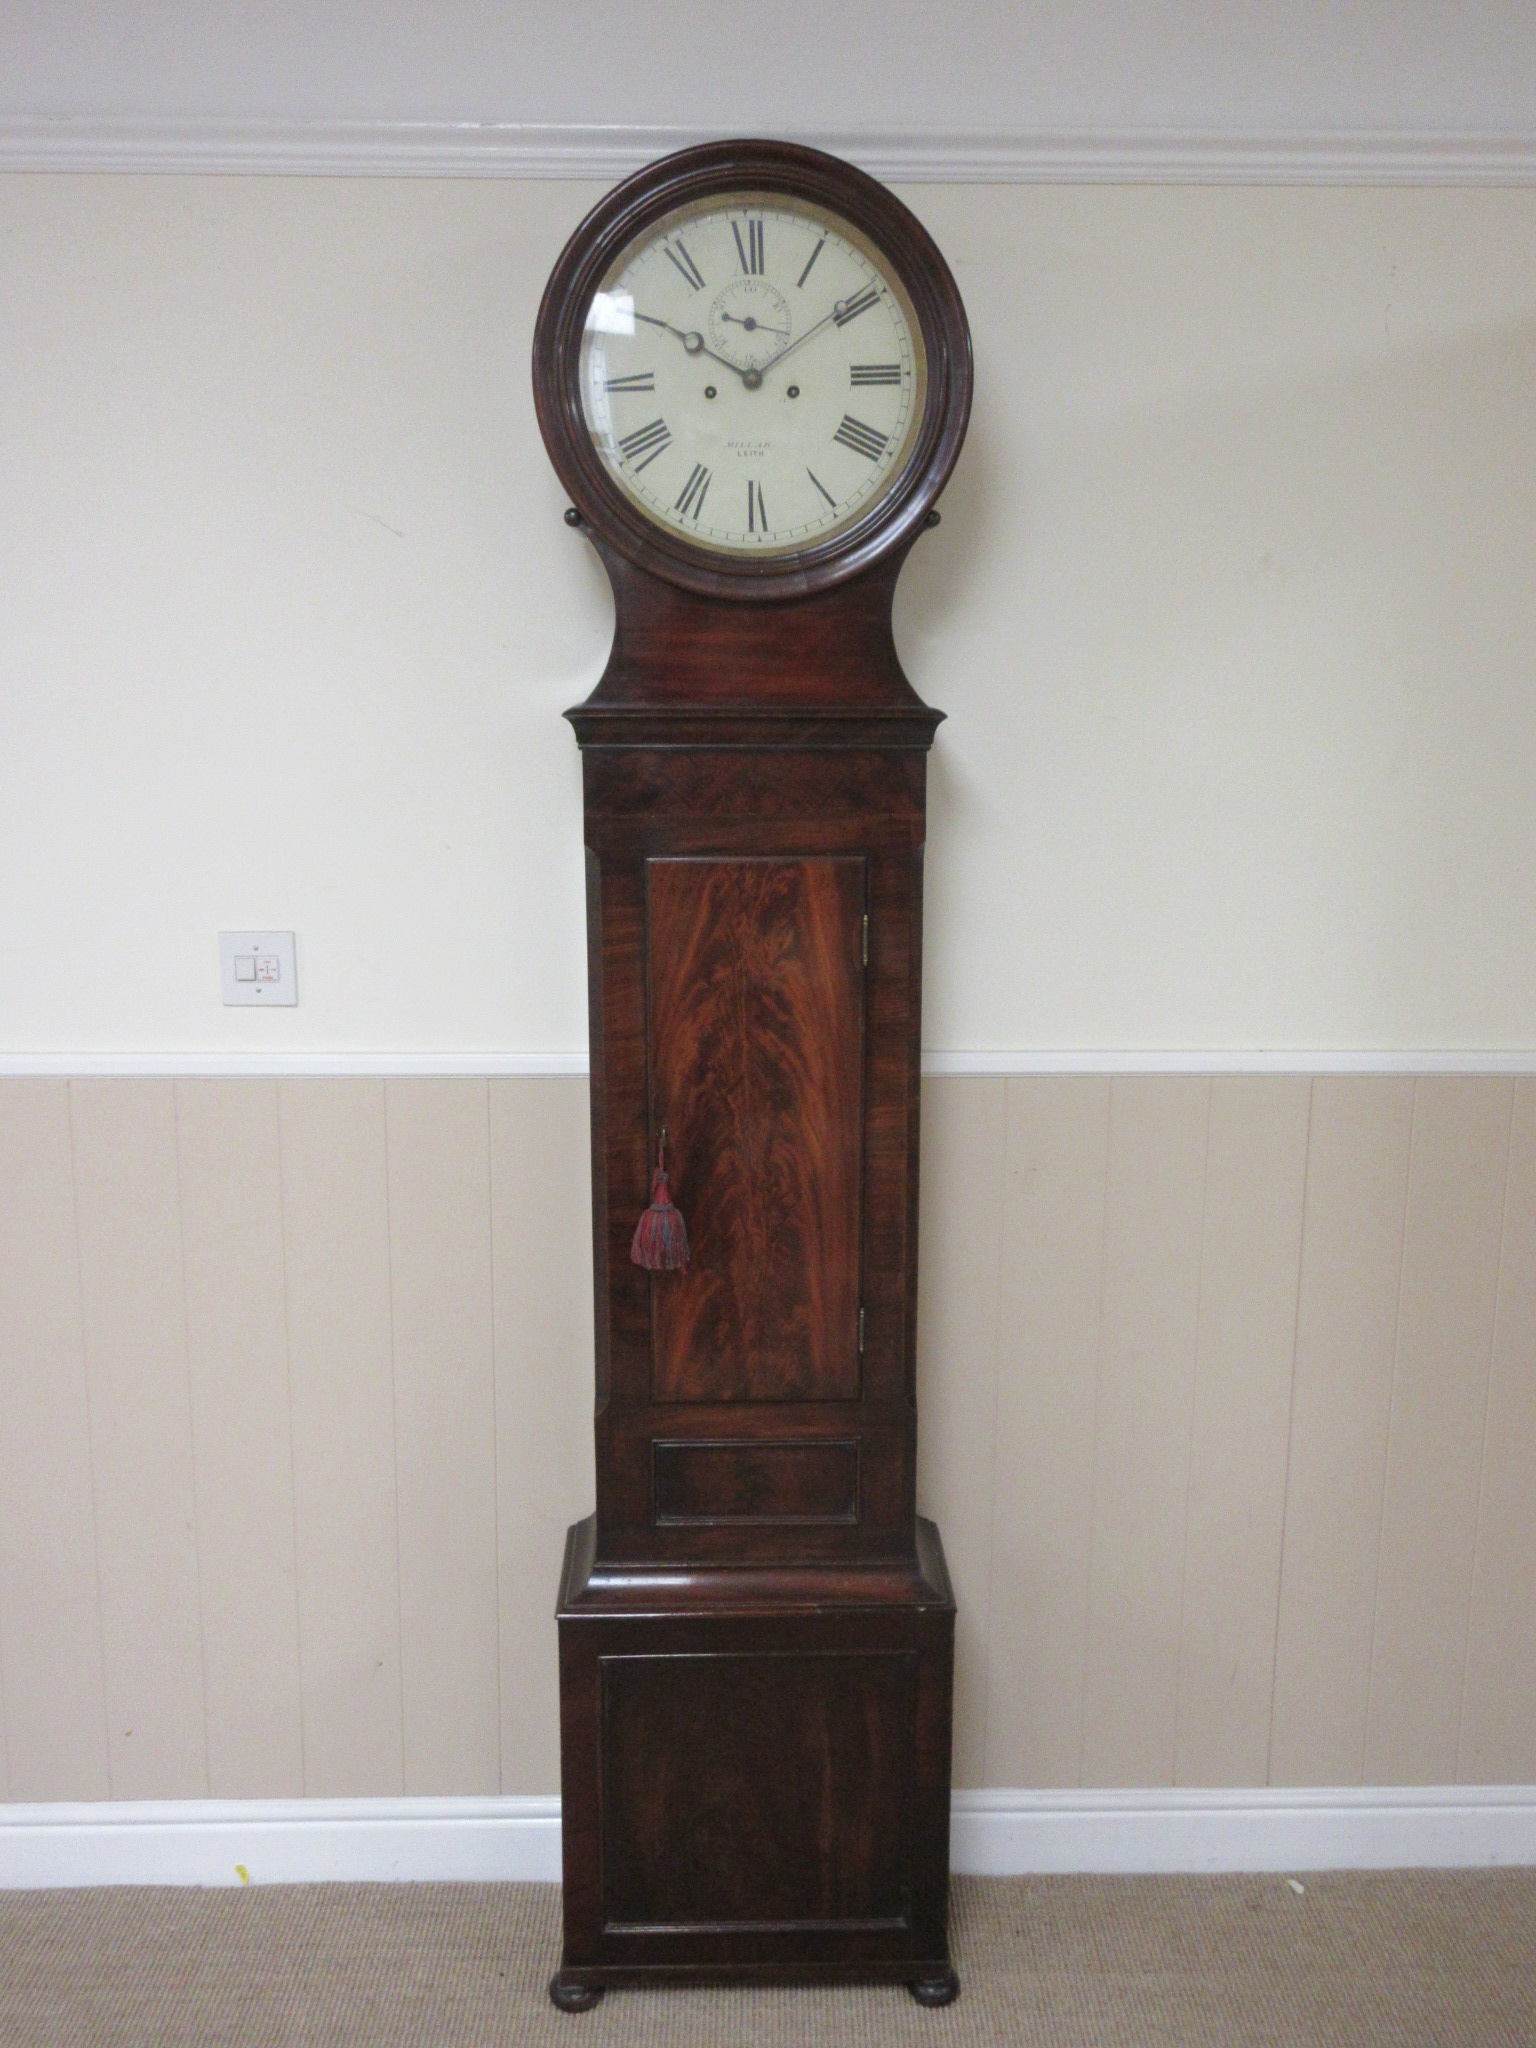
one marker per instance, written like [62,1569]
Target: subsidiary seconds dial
[753,374]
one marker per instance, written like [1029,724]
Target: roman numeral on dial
[643,380]
[816,480]
[687,268]
[861,302]
[807,270]
[751,250]
[757,516]
[691,498]
[869,373]
[645,444]
[861,439]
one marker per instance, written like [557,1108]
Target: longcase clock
[753,376]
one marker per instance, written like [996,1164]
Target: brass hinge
[861,1333]
[865,947]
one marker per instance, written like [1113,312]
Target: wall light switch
[259,967]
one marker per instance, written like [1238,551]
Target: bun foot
[941,1987]
[571,1996]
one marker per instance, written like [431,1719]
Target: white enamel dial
[752,374]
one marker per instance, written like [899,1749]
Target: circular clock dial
[752,374]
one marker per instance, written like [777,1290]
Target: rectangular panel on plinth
[755,1788]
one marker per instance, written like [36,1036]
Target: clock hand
[693,342]
[790,347]
[757,326]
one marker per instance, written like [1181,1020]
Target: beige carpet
[1401,1959]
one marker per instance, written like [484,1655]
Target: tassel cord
[660,1242]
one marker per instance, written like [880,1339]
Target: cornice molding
[415,149]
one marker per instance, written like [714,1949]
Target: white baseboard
[1008,1834]
[994,1834]
[280,1841]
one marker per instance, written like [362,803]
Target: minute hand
[790,346]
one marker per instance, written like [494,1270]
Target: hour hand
[693,342]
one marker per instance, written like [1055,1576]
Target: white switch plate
[258,967]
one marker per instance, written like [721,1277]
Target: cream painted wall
[1232,610]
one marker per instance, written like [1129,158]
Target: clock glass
[753,374]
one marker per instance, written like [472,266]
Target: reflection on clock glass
[753,374]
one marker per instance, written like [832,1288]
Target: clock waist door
[769,1418]
[756,968]
[755,1041]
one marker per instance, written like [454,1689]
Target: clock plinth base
[755,1770]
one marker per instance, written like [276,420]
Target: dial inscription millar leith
[753,374]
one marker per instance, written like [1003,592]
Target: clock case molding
[756,1628]
[786,171]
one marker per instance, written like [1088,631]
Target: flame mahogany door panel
[756,1043]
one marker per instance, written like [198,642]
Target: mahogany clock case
[756,1630]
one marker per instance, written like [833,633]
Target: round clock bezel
[789,171]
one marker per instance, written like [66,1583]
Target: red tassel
[660,1243]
